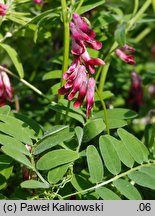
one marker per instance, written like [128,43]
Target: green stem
[41,178]
[105,111]
[64,9]
[104,70]
[66,49]
[138,14]
[68,106]
[109,181]
[153,5]
[36,171]
[136,5]
[25,83]
[152,138]
[142,34]
[66,39]
[79,5]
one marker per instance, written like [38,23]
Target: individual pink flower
[90,63]
[77,82]
[3,9]
[83,26]
[122,54]
[73,84]
[38,1]
[78,35]
[90,95]
[78,47]
[82,92]
[136,95]
[5,88]
[72,69]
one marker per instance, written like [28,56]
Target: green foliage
[133,145]
[107,194]
[56,174]
[89,5]
[109,156]
[5,170]
[95,169]
[52,138]
[26,134]
[121,150]
[120,34]
[116,117]
[73,113]
[127,189]
[144,176]
[33,184]
[56,158]
[15,58]
[92,129]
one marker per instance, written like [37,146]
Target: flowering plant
[77,88]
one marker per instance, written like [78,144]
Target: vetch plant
[81,122]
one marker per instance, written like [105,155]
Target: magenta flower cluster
[79,74]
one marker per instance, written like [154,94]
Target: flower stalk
[105,111]
[66,39]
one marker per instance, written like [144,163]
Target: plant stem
[138,14]
[110,180]
[66,39]
[68,106]
[66,49]
[142,34]
[105,111]
[104,72]
[36,171]
[79,5]
[25,83]
[41,178]
[153,5]
[104,69]
[136,5]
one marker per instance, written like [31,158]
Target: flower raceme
[122,54]
[3,9]
[78,76]
[5,88]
